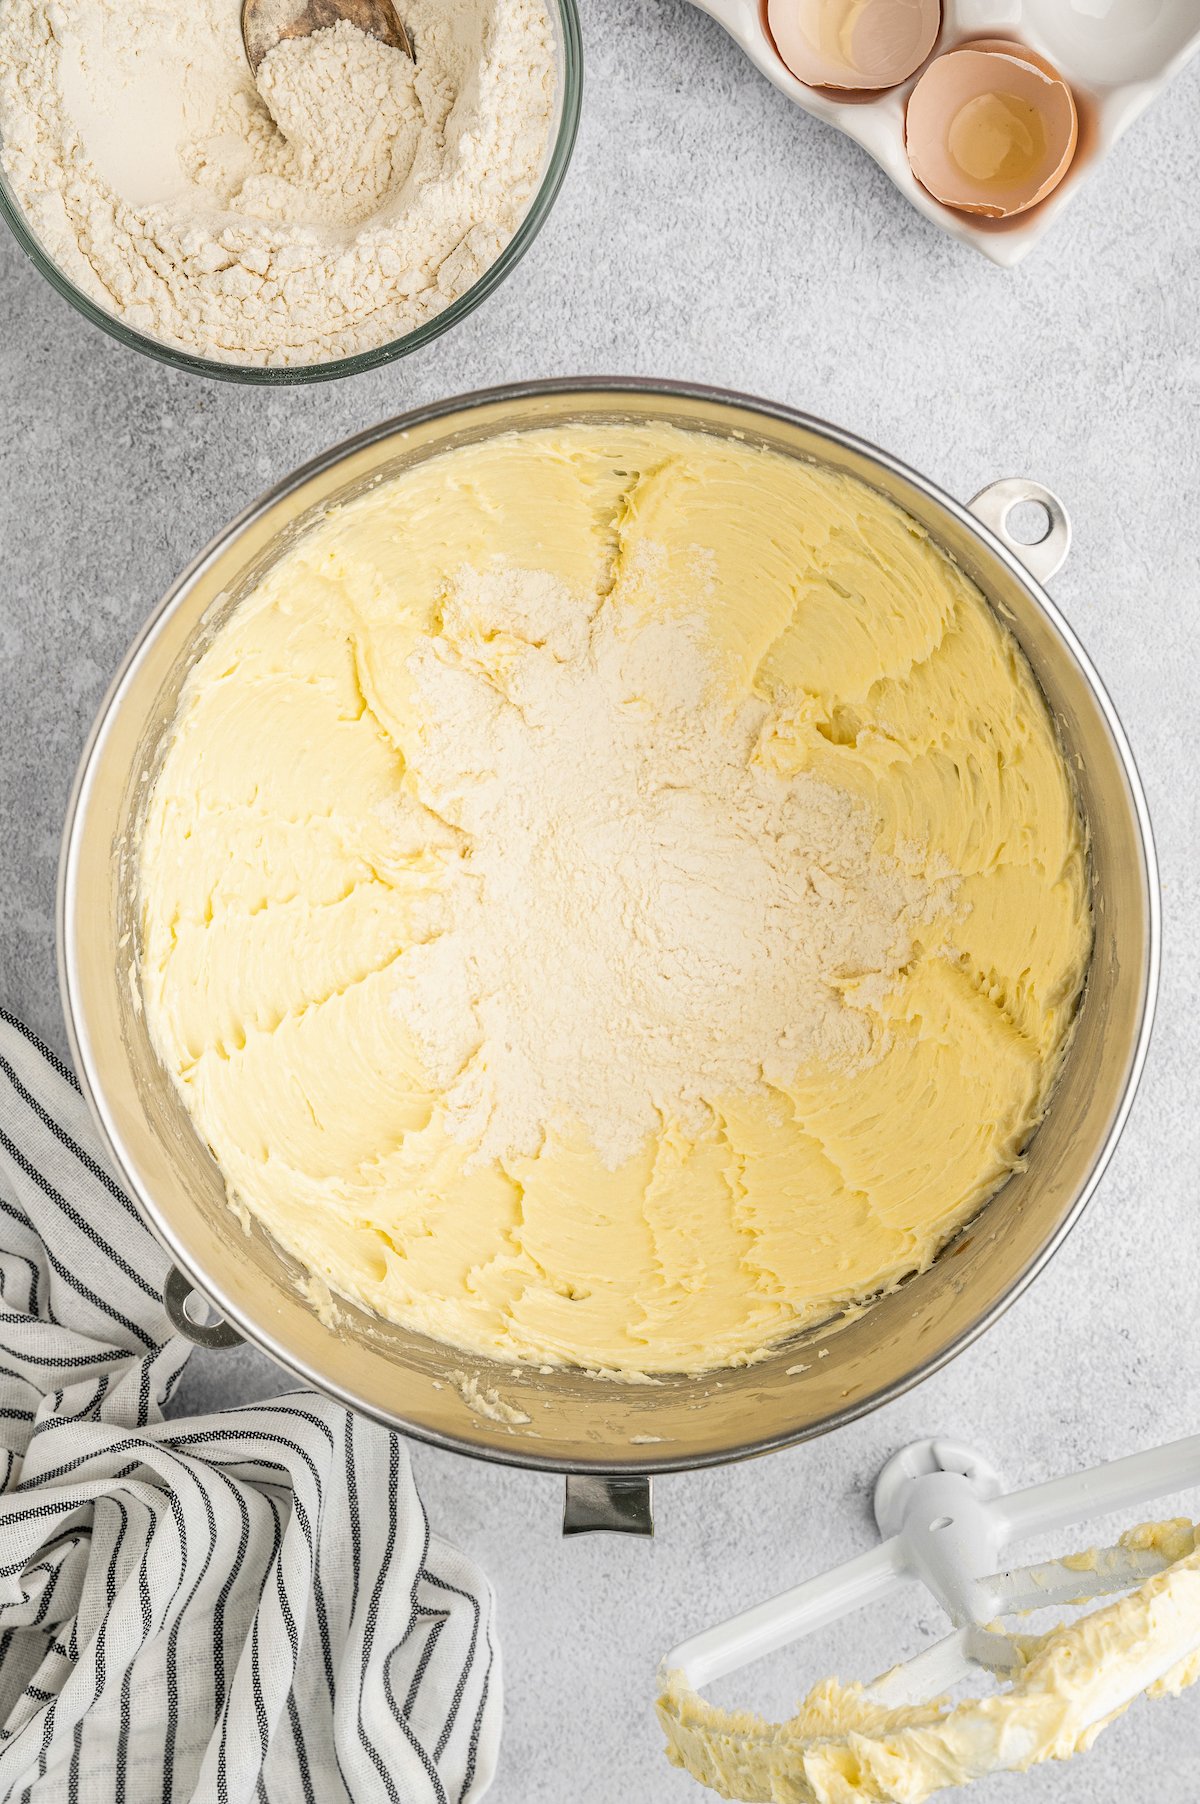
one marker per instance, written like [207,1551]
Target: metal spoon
[266,22]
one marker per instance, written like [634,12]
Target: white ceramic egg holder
[1117,55]
[946,1522]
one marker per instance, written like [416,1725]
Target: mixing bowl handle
[603,1502]
[193,1316]
[993,506]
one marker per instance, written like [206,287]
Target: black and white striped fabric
[244,1607]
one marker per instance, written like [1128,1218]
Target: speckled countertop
[708,230]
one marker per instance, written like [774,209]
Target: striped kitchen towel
[244,1607]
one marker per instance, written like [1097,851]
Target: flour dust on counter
[613,896]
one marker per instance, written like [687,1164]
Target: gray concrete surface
[709,230]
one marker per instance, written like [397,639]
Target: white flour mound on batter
[707,920]
[336,205]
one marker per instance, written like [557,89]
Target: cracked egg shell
[991,128]
[866,45]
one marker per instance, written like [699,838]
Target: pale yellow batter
[843,1747]
[641,1077]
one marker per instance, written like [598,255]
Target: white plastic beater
[946,1524]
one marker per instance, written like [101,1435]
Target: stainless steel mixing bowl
[567,1420]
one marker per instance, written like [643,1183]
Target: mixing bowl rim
[294,375]
[462,406]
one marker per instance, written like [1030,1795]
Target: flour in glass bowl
[335,205]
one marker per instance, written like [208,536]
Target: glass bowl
[568,44]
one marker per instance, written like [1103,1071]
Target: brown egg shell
[882,67]
[948,83]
